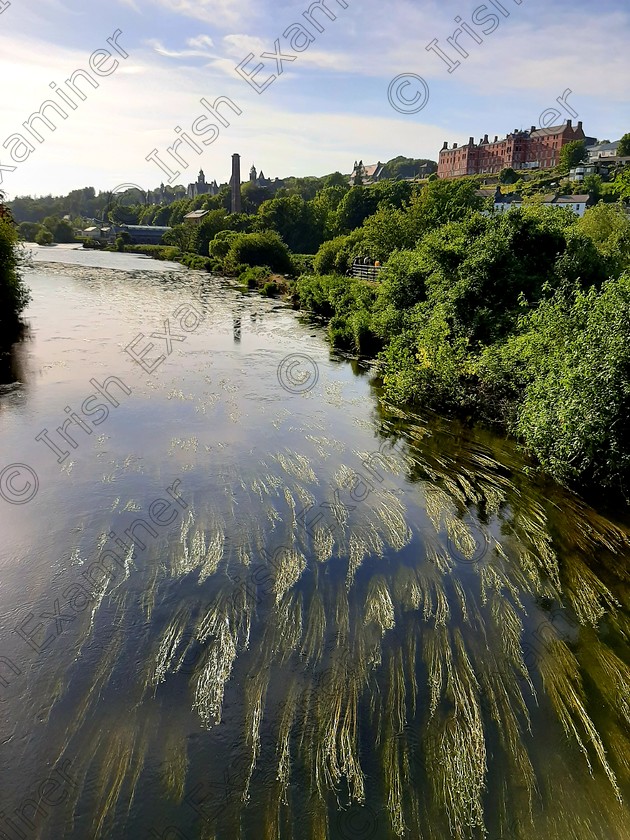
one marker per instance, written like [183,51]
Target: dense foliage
[521,319]
[13,294]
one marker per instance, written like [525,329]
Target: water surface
[340,620]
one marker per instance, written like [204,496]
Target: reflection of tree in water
[364,660]
[13,358]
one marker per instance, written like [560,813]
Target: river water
[241,596]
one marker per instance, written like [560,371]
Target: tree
[13,293]
[357,204]
[182,237]
[213,223]
[336,180]
[592,185]
[44,237]
[508,176]
[440,202]
[623,150]
[621,184]
[572,154]
[293,219]
[258,249]
[63,232]
[608,227]
[28,231]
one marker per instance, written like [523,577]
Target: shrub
[254,277]
[270,289]
[575,416]
[335,256]
[14,295]
[302,264]
[44,237]
[258,249]
[220,245]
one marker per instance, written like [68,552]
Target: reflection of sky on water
[349,604]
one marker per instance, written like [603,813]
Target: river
[241,596]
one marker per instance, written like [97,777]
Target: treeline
[13,293]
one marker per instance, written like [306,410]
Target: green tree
[575,415]
[572,155]
[440,202]
[336,179]
[64,231]
[293,219]
[14,295]
[608,227]
[508,176]
[592,184]
[621,185]
[357,204]
[258,249]
[44,237]
[28,231]
[213,223]
[623,150]
[220,245]
[182,236]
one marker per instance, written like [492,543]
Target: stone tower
[236,184]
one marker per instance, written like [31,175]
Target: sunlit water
[341,620]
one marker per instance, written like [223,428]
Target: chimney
[580,125]
[236,184]
[496,138]
[569,123]
[485,138]
[444,148]
[454,145]
[533,129]
[471,142]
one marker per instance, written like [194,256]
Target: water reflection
[351,622]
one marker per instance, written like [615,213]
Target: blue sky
[330,105]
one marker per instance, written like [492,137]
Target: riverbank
[518,320]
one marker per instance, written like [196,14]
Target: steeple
[253,175]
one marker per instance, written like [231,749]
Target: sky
[360,86]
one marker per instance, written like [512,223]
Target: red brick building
[538,148]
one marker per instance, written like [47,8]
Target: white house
[602,151]
[502,203]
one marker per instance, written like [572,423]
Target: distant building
[367,174]
[144,234]
[201,187]
[259,180]
[504,202]
[602,168]
[538,148]
[96,232]
[196,217]
[602,151]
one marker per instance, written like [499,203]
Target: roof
[197,214]
[144,227]
[369,171]
[553,129]
[572,199]
[604,147]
